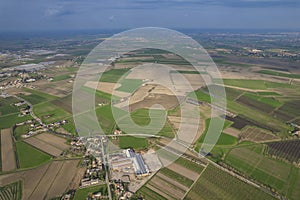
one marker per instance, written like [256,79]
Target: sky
[32,15]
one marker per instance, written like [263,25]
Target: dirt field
[183,171]
[46,181]
[257,135]
[59,88]
[166,187]
[44,146]
[53,140]
[7,151]
[232,131]
[151,94]
[173,182]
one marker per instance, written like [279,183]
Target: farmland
[289,150]
[172,181]
[46,181]
[217,184]
[133,142]
[48,143]
[273,173]
[11,191]
[257,135]
[7,107]
[7,151]
[25,154]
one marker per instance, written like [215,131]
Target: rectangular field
[44,146]
[217,184]
[7,151]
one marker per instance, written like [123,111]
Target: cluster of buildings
[94,174]
[130,163]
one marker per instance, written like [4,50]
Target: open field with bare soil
[53,140]
[257,135]
[46,181]
[44,146]
[7,150]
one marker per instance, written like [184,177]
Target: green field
[36,97]
[132,142]
[189,165]
[148,194]
[113,75]
[20,130]
[271,172]
[217,184]
[129,85]
[11,191]
[49,113]
[83,193]
[10,120]
[275,73]
[254,84]
[28,156]
[7,107]
[177,177]
[61,77]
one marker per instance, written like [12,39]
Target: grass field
[217,184]
[254,84]
[11,191]
[275,73]
[49,112]
[129,85]
[149,194]
[20,130]
[189,165]
[113,75]
[28,156]
[36,96]
[10,120]
[132,142]
[7,107]
[60,77]
[177,177]
[83,193]
[271,172]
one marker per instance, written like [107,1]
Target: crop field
[239,122]
[113,75]
[173,181]
[53,140]
[271,172]
[7,151]
[257,135]
[8,121]
[7,107]
[44,146]
[46,181]
[11,191]
[289,110]
[20,130]
[132,142]
[129,85]
[49,112]
[254,104]
[65,103]
[61,77]
[276,73]
[82,193]
[254,84]
[30,157]
[35,97]
[289,150]
[217,184]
